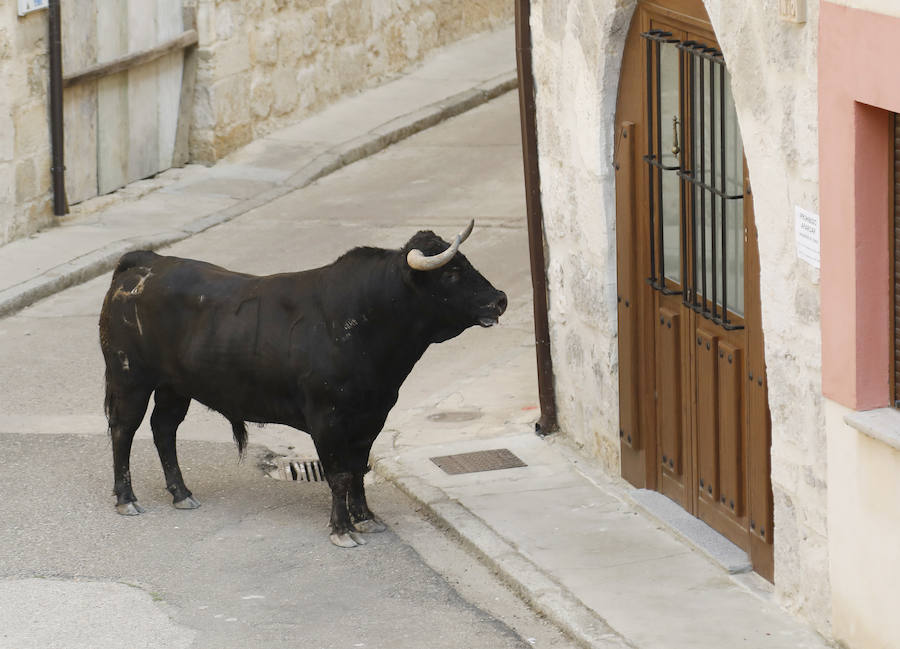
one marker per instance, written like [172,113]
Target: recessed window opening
[696,170]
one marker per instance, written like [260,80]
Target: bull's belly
[245,403]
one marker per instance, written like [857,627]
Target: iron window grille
[702,172]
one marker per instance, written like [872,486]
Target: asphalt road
[253,567]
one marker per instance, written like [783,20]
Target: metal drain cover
[493,460]
[299,469]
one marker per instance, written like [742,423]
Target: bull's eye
[451,276]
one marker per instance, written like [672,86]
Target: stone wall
[578,48]
[25,204]
[266,63]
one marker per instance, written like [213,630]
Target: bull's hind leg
[125,407]
[168,413]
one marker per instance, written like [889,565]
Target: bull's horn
[418,261]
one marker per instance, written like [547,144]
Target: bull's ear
[407,274]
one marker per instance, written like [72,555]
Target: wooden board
[79,38]
[112,98]
[143,94]
[169,24]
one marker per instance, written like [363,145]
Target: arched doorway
[694,419]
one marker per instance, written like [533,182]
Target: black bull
[324,351]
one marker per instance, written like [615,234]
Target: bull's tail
[239,429]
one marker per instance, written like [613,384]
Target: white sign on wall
[806,227]
[793,11]
[31,5]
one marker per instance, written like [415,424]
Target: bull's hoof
[370,526]
[187,503]
[347,539]
[130,509]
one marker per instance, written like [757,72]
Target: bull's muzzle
[491,312]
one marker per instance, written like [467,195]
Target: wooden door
[693,409]
[122,127]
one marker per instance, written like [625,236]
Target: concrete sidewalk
[575,544]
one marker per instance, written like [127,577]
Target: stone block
[42,177]
[7,183]
[264,44]
[203,145]
[31,129]
[26,180]
[303,35]
[231,139]
[261,96]
[7,135]
[307,89]
[230,101]
[284,83]
[31,33]
[5,44]
[381,11]
[224,18]
[450,19]
[206,24]
[230,57]
[351,22]
[349,66]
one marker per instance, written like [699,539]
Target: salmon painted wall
[859,85]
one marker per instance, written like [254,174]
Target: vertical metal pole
[712,183]
[651,170]
[527,116]
[722,188]
[692,59]
[57,139]
[659,174]
[701,191]
[682,186]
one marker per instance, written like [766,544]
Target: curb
[528,581]
[95,263]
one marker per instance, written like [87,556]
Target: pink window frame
[858,90]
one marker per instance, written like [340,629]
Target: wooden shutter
[896,255]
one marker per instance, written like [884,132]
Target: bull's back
[218,336]
[156,304]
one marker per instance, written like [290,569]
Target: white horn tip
[465,233]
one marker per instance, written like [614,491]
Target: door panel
[669,409]
[730,429]
[707,415]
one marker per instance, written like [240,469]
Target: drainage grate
[493,460]
[299,469]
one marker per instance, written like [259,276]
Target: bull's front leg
[363,518]
[343,534]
